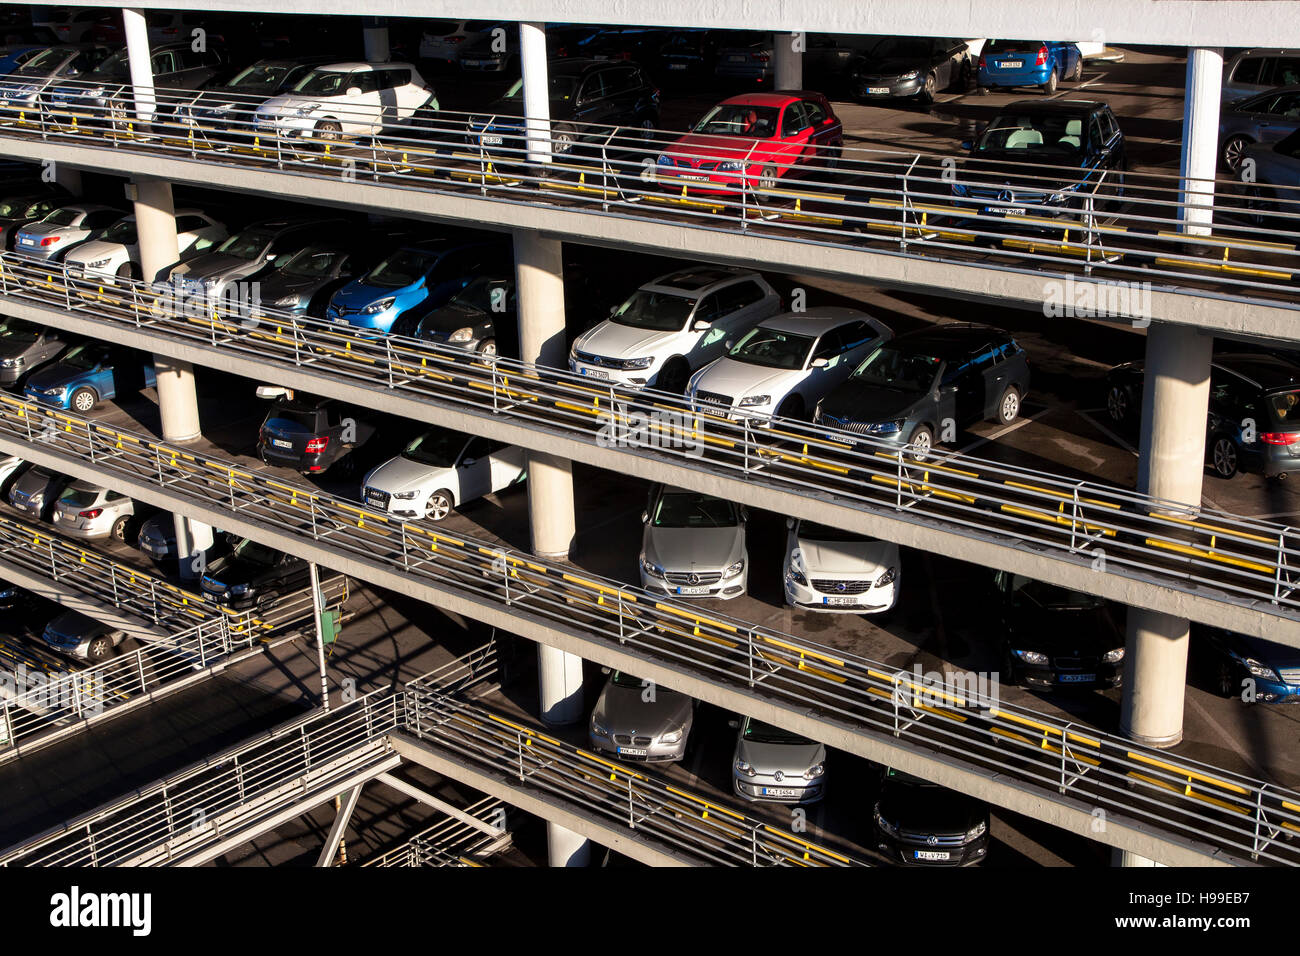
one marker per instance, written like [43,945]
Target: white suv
[672,326]
[116,254]
[346,99]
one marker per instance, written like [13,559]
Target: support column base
[1157,743]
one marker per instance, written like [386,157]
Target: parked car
[25,347]
[304,281]
[19,210]
[253,576]
[311,435]
[908,389]
[412,280]
[247,255]
[830,569]
[228,103]
[1252,669]
[745,56]
[88,374]
[157,539]
[693,545]
[919,67]
[588,99]
[1015,163]
[784,365]
[673,326]
[103,94]
[918,822]
[440,470]
[116,253]
[1053,638]
[84,638]
[443,40]
[87,510]
[72,25]
[482,317]
[35,491]
[1005,63]
[752,142]
[1255,71]
[1274,181]
[345,99]
[1266,118]
[638,720]
[63,229]
[496,49]
[13,56]
[775,765]
[1254,411]
[11,466]
[689,55]
[22,89]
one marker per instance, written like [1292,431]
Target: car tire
[1233,147]
[921,442]
[1223,456]
[487,348]
[119,529]
[440,505]
[128,270]
[1077,75]
[1225,680]
[563,139]
[982,90]
[326,132]
[83,400]
[1050,86]
[791,407]
[928,89]
[1119,404]
[673,376]
[834,156]
[767,178]
[100,649]
[1009,406]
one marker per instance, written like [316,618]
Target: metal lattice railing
[450,841]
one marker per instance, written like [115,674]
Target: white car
[64,228]
[116,254]
[784,365]
[345,99]
[672,326]
[443,39]
[827,569]
[441,470]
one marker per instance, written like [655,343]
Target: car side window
[740,296]
[1229,395]
[593,88]
[366,81]
[619,81]
[1288,105]
[1095,134]
[813,110]
[1247,70]
[189,223]
[793,120]
[855,334]
[1286,71]
[830,346]
[709,308]
[1109,126]
[476,449]
[98,220]
[114,496]
[164,62]
[392,79]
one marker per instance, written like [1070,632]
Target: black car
[1253,422]
[482,317]
[25,347]
[1044,158]
[916,67]
[304,281]
[912,388]
[310,434]
[18,210]
[1053,638]
[918,822]
[252,575]
[688,55]
[588,99]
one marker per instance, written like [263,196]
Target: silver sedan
[640,720]
[86,510]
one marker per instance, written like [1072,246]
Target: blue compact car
[412,281]
[1006,63]
[1252,668]
[87,375]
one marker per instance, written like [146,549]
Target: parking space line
[1107,432]
[1004,430]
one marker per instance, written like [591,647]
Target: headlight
[977,830]
[746,769]
[881,822]
[886,428]
[1113,657]
[672,736]
[664,160]
[639,362]
[1259,669]
[910,75]
[239,589]
[289,301]
[598,728]
[750,400]
[12,362]
[1031,657]
[461,335]
[797,567]
[650,568]
[98,263]
[731,166]
[379,305]
[735,569]
[407,495]
[815,771]
[887,578]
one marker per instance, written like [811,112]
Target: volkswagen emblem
[693,579]
[778,776]
[932,840]
[1006,195]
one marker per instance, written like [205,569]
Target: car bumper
[725,589]
[632,378]
[405,509]
[239,602]
[287,126]
[905,851]
[482,64]
[762,788]
[883,88]
[10,376]
[57,401]
[875,600]
[708,182]
[44,253]
[655,752]
[159,552]
[1042,677]
[748,71]
[1023,77]
[1274,692]
[80,650]
[83,528]
[378,323]
[303,464]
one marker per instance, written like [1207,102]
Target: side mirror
[820,363]
[604,670]
[729,344]
[701,325]
[645,517]
[733,723]
[468,461]
[354,91]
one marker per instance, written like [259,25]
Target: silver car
[82,637]
[36,490]
[1254,71]
[776,765]
[1265,118]
[63,229]
[693,545]
[640,720]
[86,510]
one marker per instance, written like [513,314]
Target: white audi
[784,365]
[441,470]
[346,99]
[672,326]
[829,569]
[116,254]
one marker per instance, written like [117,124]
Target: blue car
[1006,63]
[413,280]
[1251,668]
[87,375]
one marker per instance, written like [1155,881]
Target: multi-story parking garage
[1020,517]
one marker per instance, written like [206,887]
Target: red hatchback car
[752,141]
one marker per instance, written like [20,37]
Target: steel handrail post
[10,740]
[519,744]
[139,663]
[631,807]
[750,655]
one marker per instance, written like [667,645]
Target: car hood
[1065,630]
[729,377]
[217,265]
[700,146]
[98,249]
[890,66]
[402,474]
[288,103]
[857,401]
[52,375]
[847,557]
[689,549]
[620,341]
[930,809]
[12,349]
[452,316]
[231,570]
[1011,168]
[1269,652]
[277,285]
[792,759]
[357,294]
[623,711]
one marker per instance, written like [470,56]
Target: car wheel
[83,399]
[964,76]
[100,649]
[647,127]
[982,90]
[1223,456]
[119,528]
[1117,404]
[792,407]
[1259,204]
[834,156]
[1050,86]
[487,347]
[922,441]
[673,376]
[1226,680]
[1009,405]
[1232,151]
[767,178]
[928,89]
[1077,75]
[562,140]
[327,132]
[439,505]
[128,270]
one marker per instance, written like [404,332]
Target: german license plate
[692,591]
[1004,210]
[491,140]
[146,546]
[780,792]
[877,90]
[693,177]
[839,601]
[631,752]
[281,443]
[594,372]
[1077,678]
[376,502]
[27,240]
[931,854]
[676,66]
[1012,64]
[736,59]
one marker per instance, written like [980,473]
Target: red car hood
[698,146]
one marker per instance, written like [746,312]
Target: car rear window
[287,419]
[1013,46]
[1284,408]
[79,498]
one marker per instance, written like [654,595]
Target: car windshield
[899,369]
[14,210]
[900,48]
[290,419]
[401,269]
[738,119]
[79,498]
[122,231]
[321,83]
[311,263]
[620,679]
[485,294]
[811,531]
[1284,408]
[259,78]
[687,509]
[1026,592]
[657,311]
[83,357]
[1029,134]
[760,733]
[45,61]
[437,448]
[561,89]
[773,348]
[19,333]
[249,550]
[249,244]
[62,217]
[115,68]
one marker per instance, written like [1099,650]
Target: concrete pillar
[789,62]
[136,32]
[375,36]
[537,101]
[566,848]
[1200,157]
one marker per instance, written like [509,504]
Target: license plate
[877,90]
[693,177]
[692,590]
[1012,64]
[1004,210]
[931,854]
[780,792]
[281,443]
[26,241]
[594,372]
[1077,678]
[146,546]
[736,59]
[375,502]
[676,66]
[631,752]
[839,601]
[490,140]
[477,62]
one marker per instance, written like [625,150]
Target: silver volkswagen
[640,720]
[87,510]
[776,765]
[693,545]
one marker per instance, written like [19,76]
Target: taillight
[50,240]
[1279,438]
[983,64]
[1042,56]
[92,513]
[761,57]
[455,40]
[317,445]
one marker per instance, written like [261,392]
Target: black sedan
[253,576]
[921,823]
[915,67]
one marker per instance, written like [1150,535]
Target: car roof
[1266,371]
[360,66]
[279,225]
[90,207]
[81,484]
[816,321]
[1053,106]
[696,279]
[760,99]
[949,341]
[302,403]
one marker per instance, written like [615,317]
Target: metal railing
[1242,817]
[1243,561]
[449,842]
[1114,224]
